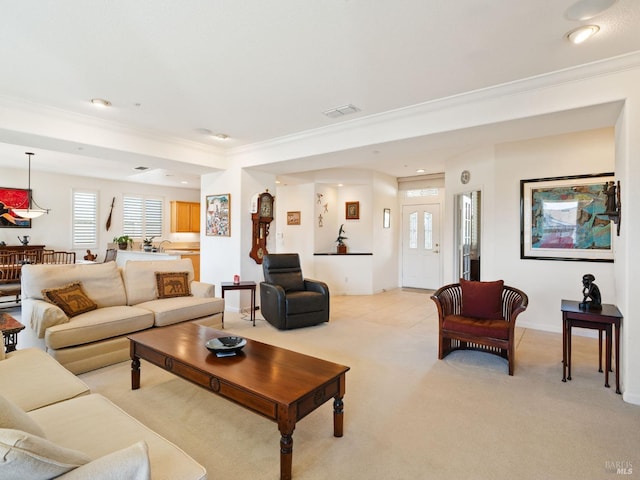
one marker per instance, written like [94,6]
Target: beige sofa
[127,301]
[51,426]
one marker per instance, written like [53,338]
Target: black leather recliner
[287,299]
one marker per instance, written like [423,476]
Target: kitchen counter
[126,255]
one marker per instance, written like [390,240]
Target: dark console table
[601,320]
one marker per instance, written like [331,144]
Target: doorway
[468,234]
[421,266]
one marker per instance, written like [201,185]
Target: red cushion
[477,327]
[482,299]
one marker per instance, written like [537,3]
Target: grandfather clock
[261,219]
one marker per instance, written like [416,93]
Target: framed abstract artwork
[563,218]
[13,198]
[218,215]
[352,210]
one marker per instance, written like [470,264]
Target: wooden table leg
[253,306]
[617,352]
[599,350]
[564,347]
[338,417]
[338,408]
[135,373]
[607,355]
[569,350]
[286,425]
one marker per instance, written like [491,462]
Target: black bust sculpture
[591,294]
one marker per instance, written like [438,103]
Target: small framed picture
[352,210]
[293,218]
[386,218]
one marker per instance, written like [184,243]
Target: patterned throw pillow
[173,284]
[70,298]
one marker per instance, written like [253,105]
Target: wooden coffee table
[279,384]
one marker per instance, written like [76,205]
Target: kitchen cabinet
[185,216]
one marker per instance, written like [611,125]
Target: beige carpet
[407,414]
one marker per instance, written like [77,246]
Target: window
[85,219]
[428,231]
[142,216]
[413,230]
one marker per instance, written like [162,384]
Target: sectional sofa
[52,426]
[84,312]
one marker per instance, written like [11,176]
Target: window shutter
[85,219]
[142,216]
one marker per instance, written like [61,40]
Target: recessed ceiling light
[141,168]
[420,170]
[340,185]
[184,182]
[222,136]
[101,102]
[581,34]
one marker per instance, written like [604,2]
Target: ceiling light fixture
[222,136]
[100,102]
[581,34]
[586,9]
[30,212]
[420,170]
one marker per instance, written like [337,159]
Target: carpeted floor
[407,414]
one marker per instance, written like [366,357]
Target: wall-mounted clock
[261,218]
[465,176]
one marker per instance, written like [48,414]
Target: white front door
[421,246]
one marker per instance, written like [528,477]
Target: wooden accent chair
[479,316]
[10,268]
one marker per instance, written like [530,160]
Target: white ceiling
[259,70]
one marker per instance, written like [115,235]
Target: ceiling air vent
[341,111]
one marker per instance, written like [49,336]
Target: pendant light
[33,210]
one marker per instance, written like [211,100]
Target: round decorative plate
[228,345]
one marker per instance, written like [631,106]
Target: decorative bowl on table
[226,346]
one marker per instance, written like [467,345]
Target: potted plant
[123,241]
[342,247]
[147,243]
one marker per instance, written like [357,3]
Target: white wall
[54,191]
[546,281]
[497,172]
[386,242]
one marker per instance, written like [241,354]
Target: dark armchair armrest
[272,301]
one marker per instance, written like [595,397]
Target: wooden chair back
[111,255]
[59,257]
[10,267]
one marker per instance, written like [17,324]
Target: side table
[10,328]
[242,286]
[601,320]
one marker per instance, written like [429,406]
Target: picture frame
[352,210]
[16,198]
[218,215]
[386,218]
[563,218]
[293,218]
